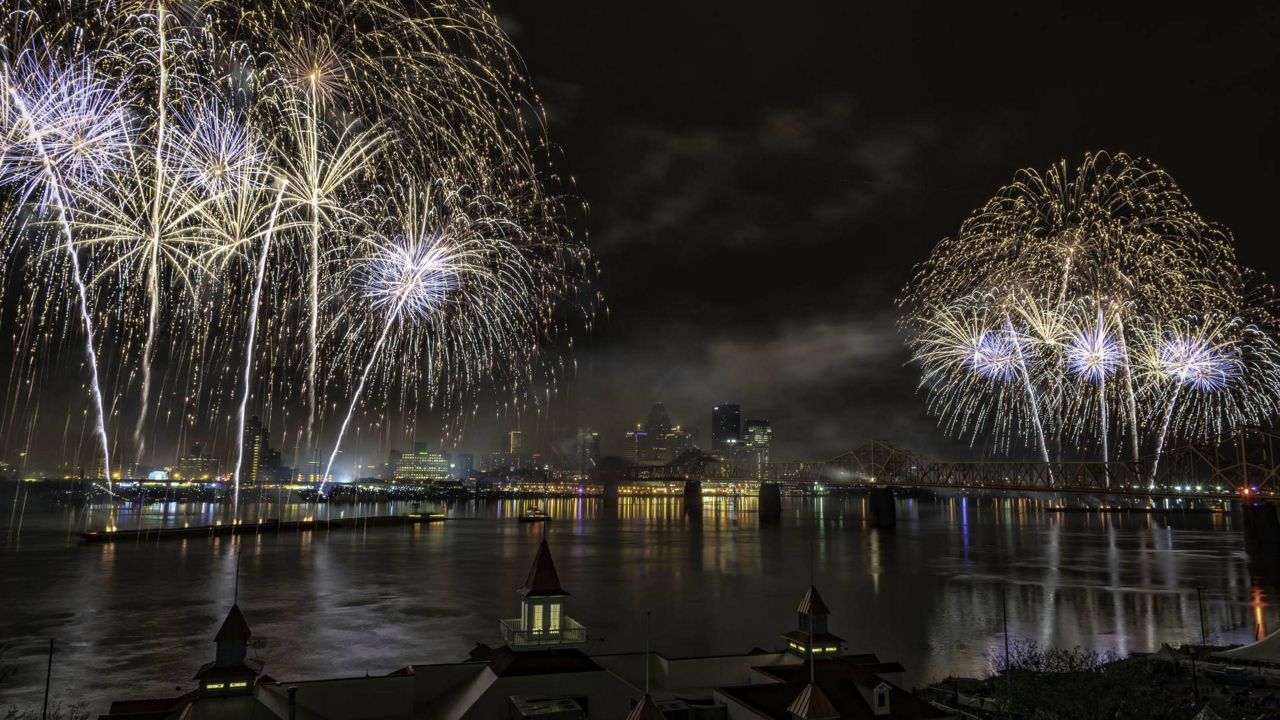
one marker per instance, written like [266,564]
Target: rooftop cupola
[811,628]
[542,623]
[231,671]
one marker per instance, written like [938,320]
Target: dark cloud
[794,174]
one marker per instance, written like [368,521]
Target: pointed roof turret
[812,704]
[812,604]
[543,580]
[235,629]
[231,670]
[811,633]
[646,709]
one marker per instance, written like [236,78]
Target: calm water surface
[136,619]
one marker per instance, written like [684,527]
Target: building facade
[726,428]
[586,450]
[196,466]
[757,441]
[256,450]
[421,466]
[657,441]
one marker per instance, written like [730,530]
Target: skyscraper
[461,465]
[586,449]
[657,441]
[726,428]
[255,451]
[757,438]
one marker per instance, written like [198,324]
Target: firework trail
[1084,287]
[259,276]
[411,278]
[64,125]
[153,249]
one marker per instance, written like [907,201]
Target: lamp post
[48,676]
[1195,681]
[1204,638]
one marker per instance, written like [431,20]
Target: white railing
[570,632]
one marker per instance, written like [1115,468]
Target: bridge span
[1246,467]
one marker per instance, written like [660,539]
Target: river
[136,619]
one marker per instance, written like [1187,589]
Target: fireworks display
[305,212]
[1084,310]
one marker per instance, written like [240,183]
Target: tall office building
[586,449]
[461,465]
[255,451]
[757,438]
[393,462]
[636,444]
[515,442]
[726,428]
[656,441]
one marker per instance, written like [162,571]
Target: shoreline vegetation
[1080,684]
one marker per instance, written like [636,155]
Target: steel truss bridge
[1246,466]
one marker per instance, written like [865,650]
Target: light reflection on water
[136,618]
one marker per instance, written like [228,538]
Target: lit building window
[213,686]
[555,617]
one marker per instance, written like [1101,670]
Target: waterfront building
[196,465]
[726,428]
[542,671]
[421,466]
[312,470]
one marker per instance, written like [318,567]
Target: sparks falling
[362,216]
[1121,314]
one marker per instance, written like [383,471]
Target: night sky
[763,176]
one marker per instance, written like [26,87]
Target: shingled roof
[542,580]
[646,709]
[812,604]
[234,629]
[812,704]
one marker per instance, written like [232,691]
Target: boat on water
[534,513]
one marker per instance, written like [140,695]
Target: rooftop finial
[646,651]
[810,614]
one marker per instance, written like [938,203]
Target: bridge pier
[693,498]
[770,499]
[882,508]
